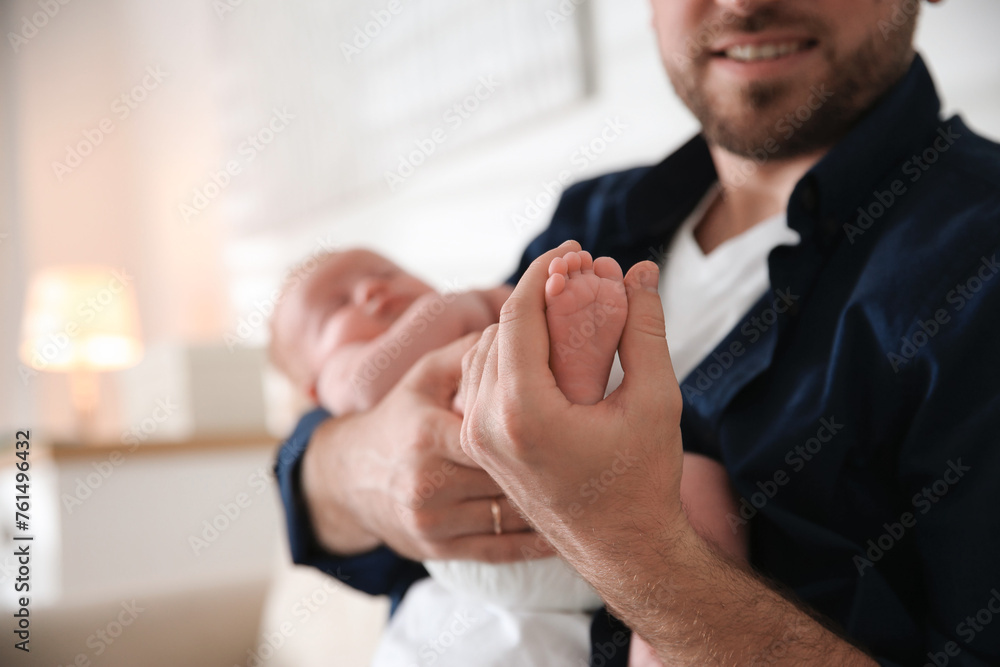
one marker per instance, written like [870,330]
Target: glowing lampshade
[80,318]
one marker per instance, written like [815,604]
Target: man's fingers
[437,373]
[474,366]
[511,520]
[523,338]
[441,432]
[475,517]
[469,483]
[498,548]
[643,349]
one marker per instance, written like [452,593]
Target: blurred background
[165,165]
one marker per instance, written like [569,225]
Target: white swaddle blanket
[532,614]
[546,584]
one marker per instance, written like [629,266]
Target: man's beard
[854,82]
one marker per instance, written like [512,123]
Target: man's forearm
[335,526]
[694,607]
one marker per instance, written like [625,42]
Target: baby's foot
[585,308]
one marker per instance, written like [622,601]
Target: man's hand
[577,470]
[602,483]
[397,475]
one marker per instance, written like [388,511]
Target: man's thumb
[643,348]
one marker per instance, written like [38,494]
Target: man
[855,406]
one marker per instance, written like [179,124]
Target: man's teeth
[752,52]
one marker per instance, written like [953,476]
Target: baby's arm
[359,376]
[709,501]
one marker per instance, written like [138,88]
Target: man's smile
[762,55]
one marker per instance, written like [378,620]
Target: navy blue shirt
[856,406]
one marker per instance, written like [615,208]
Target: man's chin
[770,119]
[738,136]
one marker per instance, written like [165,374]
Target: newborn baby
[350,330]
[347,333]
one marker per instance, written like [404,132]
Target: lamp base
[85,395]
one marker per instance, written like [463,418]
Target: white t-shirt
[536,613]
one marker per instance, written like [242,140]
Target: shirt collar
[895,128]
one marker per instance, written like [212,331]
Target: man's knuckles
[476,431]
[518,428]
[648,324]
[504,420]
[512,310]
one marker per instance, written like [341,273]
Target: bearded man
[825,255]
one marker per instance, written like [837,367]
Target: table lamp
[81,320]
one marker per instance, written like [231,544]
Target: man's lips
[758,48]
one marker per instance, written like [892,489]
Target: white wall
[453,221]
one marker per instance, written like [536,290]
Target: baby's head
[351,297]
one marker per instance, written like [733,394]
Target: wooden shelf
[67,451]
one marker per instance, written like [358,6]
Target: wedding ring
[495,511]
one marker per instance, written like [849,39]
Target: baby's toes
[555,285]
[606,267]
[573,262]
[558,265]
